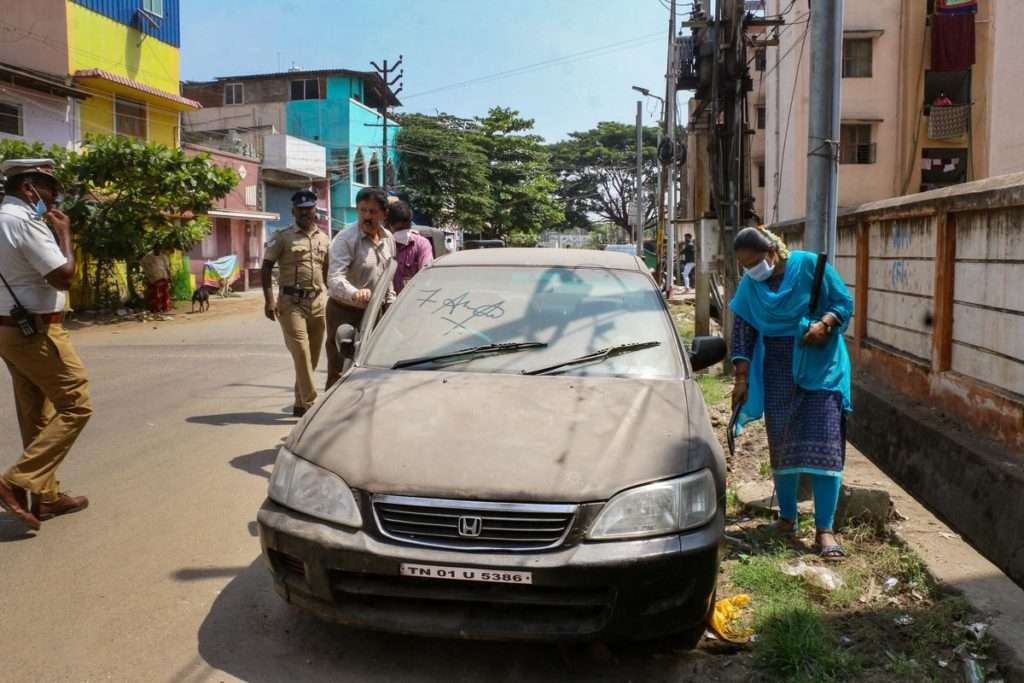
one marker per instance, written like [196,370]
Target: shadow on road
[250,633]
[206,573]
[258,462]
[251,418]
[11,528]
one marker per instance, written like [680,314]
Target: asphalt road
[161,578]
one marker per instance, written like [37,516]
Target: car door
[374,309]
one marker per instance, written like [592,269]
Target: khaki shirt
[156,267]
[299,257]
[357,263]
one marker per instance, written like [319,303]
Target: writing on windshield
[460,309]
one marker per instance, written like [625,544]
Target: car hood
[507,437]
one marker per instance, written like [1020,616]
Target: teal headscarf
[784,313]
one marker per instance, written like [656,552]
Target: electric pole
[640,178]
[823,127]
[671,79]
[385,94]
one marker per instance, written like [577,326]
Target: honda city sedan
[519,451]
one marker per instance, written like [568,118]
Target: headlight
[661,508]
[304,487]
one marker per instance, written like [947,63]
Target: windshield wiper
[595,357]
[469,353]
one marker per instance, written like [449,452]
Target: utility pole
[671,79]
[640,178]
[386,84]
[823,127]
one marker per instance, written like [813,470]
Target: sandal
[833,552]
[830,551]
[784,527]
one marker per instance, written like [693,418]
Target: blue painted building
[336,109]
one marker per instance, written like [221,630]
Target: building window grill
[306,89]
[855,144]
[10,119]
[233,93]
[858,57]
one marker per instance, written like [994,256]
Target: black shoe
[298,412]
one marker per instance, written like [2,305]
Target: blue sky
[446,42]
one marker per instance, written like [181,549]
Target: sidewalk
[249,303]
[952,562]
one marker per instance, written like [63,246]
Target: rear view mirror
[345,339]
[706,351]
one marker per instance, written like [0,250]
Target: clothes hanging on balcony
[952,42]
[956,6]
[949,121]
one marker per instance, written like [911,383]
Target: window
[359,168]
[858,54]
[306,89]
[855,145]
[761,59]
[10,119]
[130,118]
[154,7]
[233,93]
[760,174]
[374,178]
[762,115]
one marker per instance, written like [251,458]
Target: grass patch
[796,645]
[716,388]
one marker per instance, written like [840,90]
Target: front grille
[469,607]
[473,525]
[288,564]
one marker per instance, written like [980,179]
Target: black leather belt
[301,292]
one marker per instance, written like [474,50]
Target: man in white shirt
[359,257]
[51,389]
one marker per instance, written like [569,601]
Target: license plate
[431,571]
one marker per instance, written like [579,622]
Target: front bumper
[617,590]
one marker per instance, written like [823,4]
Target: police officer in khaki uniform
[51,391]
[300,252]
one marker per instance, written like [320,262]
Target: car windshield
[572,311]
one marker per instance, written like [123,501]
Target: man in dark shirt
[689,260]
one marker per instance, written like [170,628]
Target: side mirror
[345,339]
[706,351]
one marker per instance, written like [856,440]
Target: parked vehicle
[520,451]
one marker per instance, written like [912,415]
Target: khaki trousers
[51,391]
[338,315]
[302,323]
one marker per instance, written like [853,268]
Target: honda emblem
[470,526]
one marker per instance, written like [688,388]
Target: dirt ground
[888,621]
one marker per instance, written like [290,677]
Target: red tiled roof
[135,85]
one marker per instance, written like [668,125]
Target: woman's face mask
[762,271]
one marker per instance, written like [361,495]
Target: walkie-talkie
[20,314]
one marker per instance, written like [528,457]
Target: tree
[444,170]
[596,172]
[521,183]
[126,197]
[487,175]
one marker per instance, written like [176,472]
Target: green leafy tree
[444,170]
[126,197]
[521,183]
[596,171]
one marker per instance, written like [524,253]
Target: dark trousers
[338,315]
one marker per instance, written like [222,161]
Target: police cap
[303,199]
[15,167]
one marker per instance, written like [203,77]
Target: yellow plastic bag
[726,616]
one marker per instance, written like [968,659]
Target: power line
[592,52]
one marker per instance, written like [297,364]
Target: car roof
[544,258]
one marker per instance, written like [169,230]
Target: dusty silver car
[519,451]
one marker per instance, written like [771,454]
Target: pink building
[238,222]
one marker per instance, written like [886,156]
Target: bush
[181,281]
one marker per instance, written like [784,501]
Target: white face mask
[402,236]
[761,272]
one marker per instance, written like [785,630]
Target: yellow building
[123,53]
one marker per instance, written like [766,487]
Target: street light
[647,93]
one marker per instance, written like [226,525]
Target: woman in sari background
[793,369]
